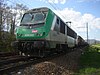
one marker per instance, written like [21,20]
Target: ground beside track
[89,63]
[63,65]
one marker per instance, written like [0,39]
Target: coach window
[69,31]
[65,29]
[57,21]
[57,26]
[62,27]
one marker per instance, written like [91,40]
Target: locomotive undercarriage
[32,48]
[39,48]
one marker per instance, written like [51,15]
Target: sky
[80,12]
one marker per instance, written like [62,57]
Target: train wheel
[64,47]
[41,53]
[22,54]
[58,48]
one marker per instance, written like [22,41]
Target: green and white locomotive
[41,31]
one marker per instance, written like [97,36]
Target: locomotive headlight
[39,34]
[19,34]
[42,34]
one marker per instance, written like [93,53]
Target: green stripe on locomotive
[24,33]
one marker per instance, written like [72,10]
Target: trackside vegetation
[89,63]
[5,42]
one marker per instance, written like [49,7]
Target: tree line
[9,19]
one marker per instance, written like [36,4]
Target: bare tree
[10,16]
[9,19]
[17,13]
[1,11]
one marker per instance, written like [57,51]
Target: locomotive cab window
[38,17]
[33,18]
[26,18]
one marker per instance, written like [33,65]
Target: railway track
[5,54]
[15,63]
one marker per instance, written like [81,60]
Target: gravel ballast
[63,65]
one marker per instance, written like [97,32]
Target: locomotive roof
[45,9]
[38,9]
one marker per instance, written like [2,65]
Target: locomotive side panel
[42,29]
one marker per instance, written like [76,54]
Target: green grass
[90,61]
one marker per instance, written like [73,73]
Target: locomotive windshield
[33,18]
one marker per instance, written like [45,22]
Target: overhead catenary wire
[56,8]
